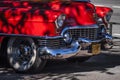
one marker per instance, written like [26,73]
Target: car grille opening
[90,33]
[52,43]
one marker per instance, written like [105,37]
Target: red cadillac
[34,31]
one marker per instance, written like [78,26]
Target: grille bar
[52,43]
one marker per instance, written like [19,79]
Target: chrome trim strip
[78,27]
[23,35]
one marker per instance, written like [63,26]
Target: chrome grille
[90,33]
[52,43]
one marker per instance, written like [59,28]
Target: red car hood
[78,13]
[29,10]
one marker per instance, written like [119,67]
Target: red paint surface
[102,11]
[81,13]
[28,19]
[37,19]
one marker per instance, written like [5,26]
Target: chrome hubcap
[21,53]
[24,53]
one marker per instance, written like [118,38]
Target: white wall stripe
[116,35]
[116,6]
[107,5]
[99,5]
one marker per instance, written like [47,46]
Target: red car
[34,31]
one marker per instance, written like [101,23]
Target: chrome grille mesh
[52,43]
[90,33]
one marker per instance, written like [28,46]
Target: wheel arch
[4,44]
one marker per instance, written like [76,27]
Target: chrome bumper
[73,51]
[84,42]
[75,48]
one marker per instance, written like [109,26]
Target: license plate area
[96,48]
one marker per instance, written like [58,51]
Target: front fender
[102,11]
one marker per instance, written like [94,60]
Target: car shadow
[97,63]
[63,68]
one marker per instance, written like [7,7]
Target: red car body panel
[102,11]
[78,13]
[27,18]
[28,21]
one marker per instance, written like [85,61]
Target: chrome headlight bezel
[99,20]
[67,38]
[60,20]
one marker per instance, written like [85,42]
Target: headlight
[99,20]
[60,21]
[67,38]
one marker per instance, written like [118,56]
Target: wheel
[78,59]
[22,55]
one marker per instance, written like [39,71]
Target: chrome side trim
[25,35]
